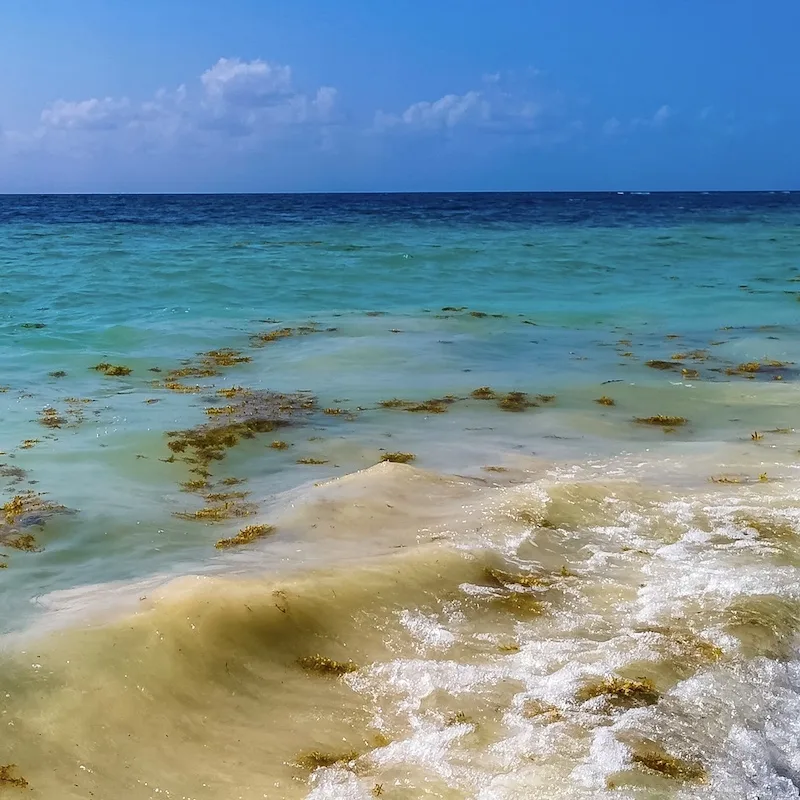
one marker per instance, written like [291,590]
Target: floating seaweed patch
[693,355]
[515,401]
[690,374]
[507,579]
[765,624]
[50,418]
[454,308]
[523,604]
[336,412]
[729,478]
[112,370]
[655,759]
[545,398]
[478,314]
[395,403]
[217,513]
[437,405]
[26,542]
[317,759]
[253,413]
[28,444]
[774,531]
[246,535]
[756,436]
[752,368]
[233,391]
[278,444]
[508,647]
[662,420]
[225,357]
[620,692]
[398,458]
[218,411]
[232,481]
[321,665]
[605,401]
[483,393]
[224,497]
[180,388]
[59,373]
[541,711]
[311,461]
[198,485]
[7,777]
[492,468]
[662,365]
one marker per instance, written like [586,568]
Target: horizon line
[395,192]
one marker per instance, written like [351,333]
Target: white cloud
[446,112]
[248,83]
[505,103]
[94,114]
[657,120]
[662,115]
[251,102]
[611,126]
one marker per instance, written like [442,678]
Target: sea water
[553,597]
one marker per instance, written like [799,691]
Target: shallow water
[553,599]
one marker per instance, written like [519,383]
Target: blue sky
[352,95]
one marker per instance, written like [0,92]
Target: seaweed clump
[620,692]
[321,665]
[655,759]
[112,370]
[50,418]
[314,462]
[515,401]
[764,624]
[483,393]
[398,458]
[662,420]
[528,580]
[8,779]
[656,363]
[752,368]
[246,535]
[523,604]
[316,759]
[253,413]
[605,401]
[436,405]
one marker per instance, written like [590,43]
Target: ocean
[453,496]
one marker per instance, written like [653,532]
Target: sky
[410,95]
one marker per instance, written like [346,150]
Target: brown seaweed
[112,370]
[321,665]
[662,420]
[655,759]
[246,535]
[515,401]
[7,779]
[620,692]
[398,458]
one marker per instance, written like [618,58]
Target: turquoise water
[564,298]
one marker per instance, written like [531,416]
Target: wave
[551,632]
